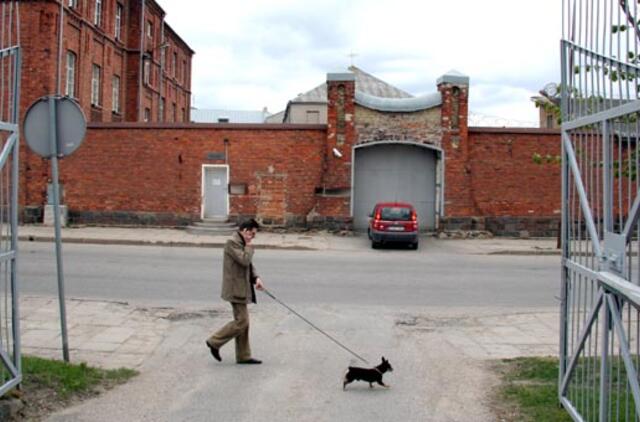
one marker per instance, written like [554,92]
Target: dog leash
[314,326]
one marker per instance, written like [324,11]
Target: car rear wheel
[374,244]
[414,246]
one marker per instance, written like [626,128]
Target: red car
[393,222]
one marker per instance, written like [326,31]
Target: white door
[215,192]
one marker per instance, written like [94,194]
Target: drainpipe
[60,30]
[163,53]
[141,67]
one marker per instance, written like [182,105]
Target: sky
[251,54]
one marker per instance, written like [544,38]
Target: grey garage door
[395,172]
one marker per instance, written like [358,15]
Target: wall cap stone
[453,77]
[225,126]
[341,77]
[514,130]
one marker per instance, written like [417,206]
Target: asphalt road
[369,277]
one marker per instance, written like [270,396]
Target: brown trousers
[237,329]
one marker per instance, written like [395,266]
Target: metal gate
[10,368]
[600,307]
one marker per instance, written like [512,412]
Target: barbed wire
[485,120]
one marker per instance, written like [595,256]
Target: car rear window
[395,213]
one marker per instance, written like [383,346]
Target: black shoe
[250,361]
[214,352]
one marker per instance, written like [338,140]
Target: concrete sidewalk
[118,334]
[313,240]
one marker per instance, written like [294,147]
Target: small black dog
[369,375]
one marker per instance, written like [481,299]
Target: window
[97,13]
[161,110]
[223,120]
[115,94]
[147,114]
[162,57]
[175,112]
[549,121]
[72,3]
[95,85]
[118,24]
[174,63]
[184,71]
[184,115]
[395,213]
[147,71]
[149,29]
[70,89]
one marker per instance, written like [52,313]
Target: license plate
[396,228]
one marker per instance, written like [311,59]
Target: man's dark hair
[249,225]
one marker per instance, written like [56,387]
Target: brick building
[118,58]
[371,148]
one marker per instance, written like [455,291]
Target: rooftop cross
[351,56]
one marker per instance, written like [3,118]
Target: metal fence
[10,368]
[600,311]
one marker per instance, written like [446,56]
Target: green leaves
[546,159]
[618,28]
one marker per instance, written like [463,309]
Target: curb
[153,243]
[543,253]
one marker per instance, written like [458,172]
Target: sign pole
[53,138]
[54,127]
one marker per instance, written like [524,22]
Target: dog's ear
[383,359]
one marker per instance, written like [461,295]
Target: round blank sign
[70,123]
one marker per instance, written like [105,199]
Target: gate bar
[632,218]
[632,375]
[604,368]
[582,339]
[584,204]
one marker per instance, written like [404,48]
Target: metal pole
[15,315]
[141,58]
[53,135]
[604,362]
[564,279]
[60,37]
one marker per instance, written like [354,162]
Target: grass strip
[68,378]
[529,390]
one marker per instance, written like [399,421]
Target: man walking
[238,280]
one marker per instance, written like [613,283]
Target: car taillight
[376,224]
[414,217]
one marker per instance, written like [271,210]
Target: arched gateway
[396,171]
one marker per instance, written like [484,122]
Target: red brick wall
[136,168]
[505,181]
[158,169]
